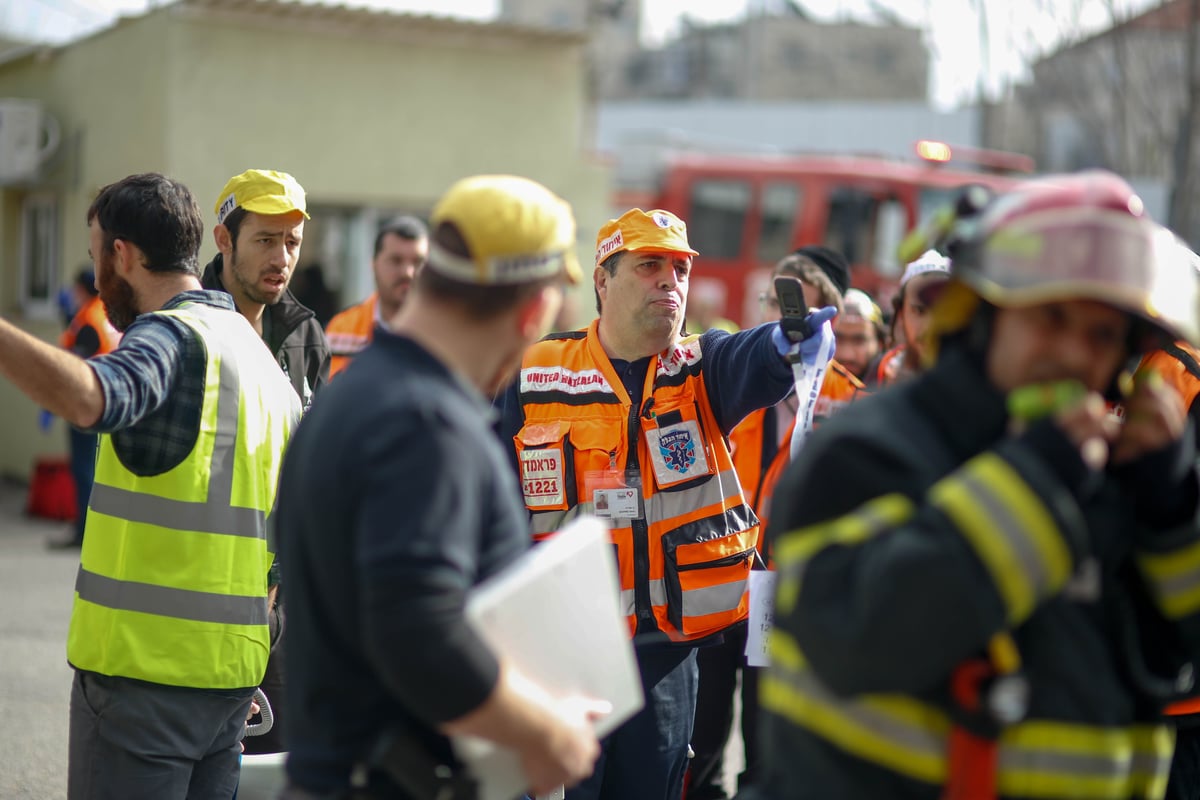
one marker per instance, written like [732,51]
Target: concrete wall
[107,94]
[385,113]
[782,58]
[383,120]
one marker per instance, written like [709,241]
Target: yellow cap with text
[515,231]
[643,230]
[261,191]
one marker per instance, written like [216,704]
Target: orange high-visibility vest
[685,550]
[747,442]
[92,316]
[1179,365]
[890,366]
[839,388]
[350,332]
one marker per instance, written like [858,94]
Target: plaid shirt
[153,386]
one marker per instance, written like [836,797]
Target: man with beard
[260,226]
[401,247]
[168,634]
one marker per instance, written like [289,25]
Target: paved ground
[35,681]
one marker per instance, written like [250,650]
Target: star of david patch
[678,450]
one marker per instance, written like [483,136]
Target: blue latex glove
[45,420]
[817,320]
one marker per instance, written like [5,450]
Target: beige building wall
[366,110]
[109,106]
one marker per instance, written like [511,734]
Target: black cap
[831,262]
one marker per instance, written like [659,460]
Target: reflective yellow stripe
[1055,760]
[171,587]
[893,731]
[785,653]
[1009,528]
[1174,579]
[1036,759]
[795,548]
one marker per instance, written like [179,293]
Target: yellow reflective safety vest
[662,474]
[172,583]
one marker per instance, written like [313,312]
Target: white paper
[555,615]
[761,617]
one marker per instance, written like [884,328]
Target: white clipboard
[555,615]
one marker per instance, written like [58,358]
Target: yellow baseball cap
[261,191]
[515,230]
[643,230]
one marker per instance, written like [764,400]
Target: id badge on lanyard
[615,494]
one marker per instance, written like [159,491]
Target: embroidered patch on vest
[678,449]
[542,477]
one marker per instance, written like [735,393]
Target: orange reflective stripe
[349,332]
[700,533]
[1184,707]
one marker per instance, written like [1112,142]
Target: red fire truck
[746,212]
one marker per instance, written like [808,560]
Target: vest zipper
[641,539]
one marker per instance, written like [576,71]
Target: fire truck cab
[744,213]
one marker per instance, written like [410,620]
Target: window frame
[48,250]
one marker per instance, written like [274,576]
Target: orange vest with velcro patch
[349,332]
[91,315]
[839,388]
[889,366]
[684,556]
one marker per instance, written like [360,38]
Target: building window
[717,221]
[780,203]
[851,226]
[39,255]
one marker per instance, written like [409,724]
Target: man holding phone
[631,413]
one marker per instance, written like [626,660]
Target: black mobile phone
[793,311]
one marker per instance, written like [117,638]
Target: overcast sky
[1015,28]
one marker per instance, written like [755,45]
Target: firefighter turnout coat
[911,530]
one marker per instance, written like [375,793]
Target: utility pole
[1180,217]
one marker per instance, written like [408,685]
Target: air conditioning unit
[28,137]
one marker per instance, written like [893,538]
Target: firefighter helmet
[1081,236]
